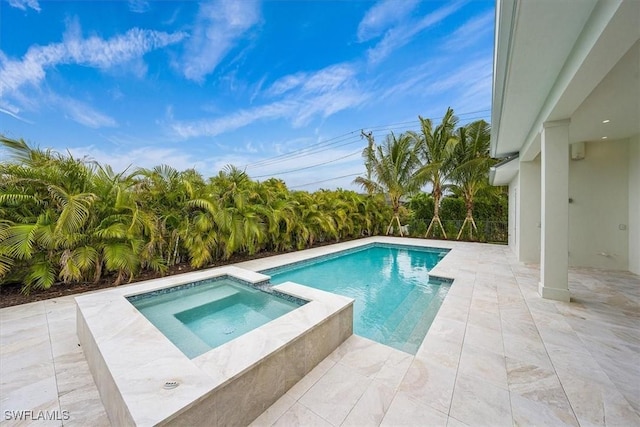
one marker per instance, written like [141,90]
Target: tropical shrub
[65,220]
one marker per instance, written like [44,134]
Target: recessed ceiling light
[604,137]
[606,121]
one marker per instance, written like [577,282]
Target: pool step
[415,331]
[398,336]
[177,332]
[399,315]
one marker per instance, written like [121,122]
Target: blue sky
[279,87]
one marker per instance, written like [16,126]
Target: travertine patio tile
[625,378]
[22,312]
[538,384]
[300,415]
[604,348]
[18,416]
[302,386]
[448,329]
[275,411]
[452,422]
[366,357]
[84,407]
[372,406]
[484,365]
[599,405]
[569,364]
[394,369]
[526,328]
[441,351]
[563,362]
[486,320]
[335,394]
[486,339]
[429,383]
[455,308]
[14,332]
[525,349]
[35,394]
[475,402]
[603,331]
[527,412]
[72,372]
[405,410]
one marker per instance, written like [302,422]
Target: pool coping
[149,404]
[131,360]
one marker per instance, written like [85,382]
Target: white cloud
[145,157]
[470,84]
[403,33]
[13,112]
[139,6]
[471,31]
[83,113]
[286,83]
[383,15]
[219,25]
[465,76]
[230,122]
[322,93]
[24,4]
[93,51]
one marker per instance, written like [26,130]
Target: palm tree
[74,219]
[471,172]
[435,145]
[313,223]
[241,225]
[48,201]
[393,170]
[164,191]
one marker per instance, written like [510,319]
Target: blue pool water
[395,298]
[200,316]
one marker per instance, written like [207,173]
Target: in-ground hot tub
[145,379]
[202,315]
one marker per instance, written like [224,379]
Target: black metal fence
[487,231]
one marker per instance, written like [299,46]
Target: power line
[325,180]
[305,152]
[307,167]
[321,143]
[324,145]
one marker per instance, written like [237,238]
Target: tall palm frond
[436,145]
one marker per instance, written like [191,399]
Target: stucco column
[554,244]
[529,212]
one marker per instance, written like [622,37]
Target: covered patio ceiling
[577,62]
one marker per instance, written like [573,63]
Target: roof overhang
[503,173]
[564,59]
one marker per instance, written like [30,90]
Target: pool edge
[130,360]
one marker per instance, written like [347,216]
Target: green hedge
[490,215]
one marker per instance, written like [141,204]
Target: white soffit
[616,98]
[537,39]
[586,70]
[504,172]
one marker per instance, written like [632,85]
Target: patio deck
[496,354]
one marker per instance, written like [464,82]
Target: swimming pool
[395,297]
[199,316]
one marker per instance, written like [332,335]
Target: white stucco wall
[514,193]
[634,204]
[599,212]
[528,212]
